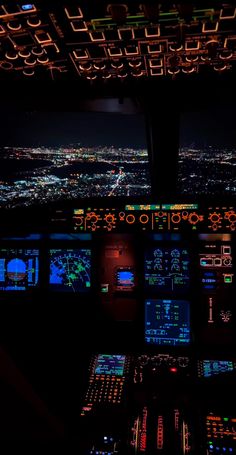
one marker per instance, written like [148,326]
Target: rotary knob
[232,217]
[183,362]
[227,261]
[109,218]
[79,220]
[185,215]
[229,213]
[122,216]
[215,217]
[193,218]
[143,360]
[92,217]
[144,218]
[214,226]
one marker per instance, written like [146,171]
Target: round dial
[130,219]
[176,218]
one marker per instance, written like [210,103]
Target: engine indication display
[70,270]
[167,269]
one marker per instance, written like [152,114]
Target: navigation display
[110,364]
[48,157]
[19,269]
[167,269]
[167,322]
[70,270]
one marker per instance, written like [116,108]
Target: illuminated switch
[73,12]
[28,7]
[79,26]
[217,262]
[228,278]
[43,37]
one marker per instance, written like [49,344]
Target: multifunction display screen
[167,322]
[110,364]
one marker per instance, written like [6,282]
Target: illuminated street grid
[208,170]
[44,175]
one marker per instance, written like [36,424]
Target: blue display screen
[209,280]
[19,269]
[66,236]
[70,270]
[167,322]
[125,278]
[110,364]
[215,367]
[167,269]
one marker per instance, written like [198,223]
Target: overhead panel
[118,40]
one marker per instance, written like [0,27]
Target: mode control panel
[155,218]
[177,217]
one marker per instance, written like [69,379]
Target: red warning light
[173,370]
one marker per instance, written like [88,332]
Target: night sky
[215,127]
[31,129]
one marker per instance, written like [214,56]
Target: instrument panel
[155,218]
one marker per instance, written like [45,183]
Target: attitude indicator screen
[19,269]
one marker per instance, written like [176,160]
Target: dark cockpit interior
[118,226]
